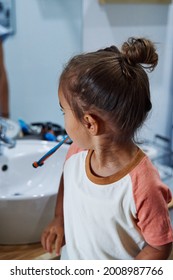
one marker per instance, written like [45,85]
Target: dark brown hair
[112,83]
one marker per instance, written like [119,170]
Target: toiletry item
[48,130]
[27,129]
[49,136]
[40,162]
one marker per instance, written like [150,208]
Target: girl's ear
[92,124]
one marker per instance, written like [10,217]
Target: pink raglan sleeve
[151,198]
[73,149]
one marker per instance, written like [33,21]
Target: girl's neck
[106,161]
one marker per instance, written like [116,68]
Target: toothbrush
[40,162]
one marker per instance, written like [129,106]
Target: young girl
[111,202]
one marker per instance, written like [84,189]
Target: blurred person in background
[4,94]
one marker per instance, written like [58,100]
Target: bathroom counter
[25,252]
[30,252]
[170,205]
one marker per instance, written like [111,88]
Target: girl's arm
[155,253]
[53,235]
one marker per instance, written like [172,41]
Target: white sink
[28,195]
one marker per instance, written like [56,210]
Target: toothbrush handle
[40,162]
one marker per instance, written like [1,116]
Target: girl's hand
[53,236]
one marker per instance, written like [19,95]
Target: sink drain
[17,194]
[4,167]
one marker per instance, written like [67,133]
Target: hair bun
[140,50]
[112,49]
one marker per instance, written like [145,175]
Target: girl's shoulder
[73,149]
[147,183]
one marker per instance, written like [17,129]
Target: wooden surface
[30,252]
[170,205]
[24,252]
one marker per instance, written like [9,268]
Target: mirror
[47,34]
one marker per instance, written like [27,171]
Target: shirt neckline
[114,177]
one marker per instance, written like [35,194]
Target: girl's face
[74,128]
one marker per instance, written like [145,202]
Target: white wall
[47,34]
[109,24]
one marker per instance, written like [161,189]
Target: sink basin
[28,195]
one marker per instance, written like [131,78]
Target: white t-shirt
[113,217]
